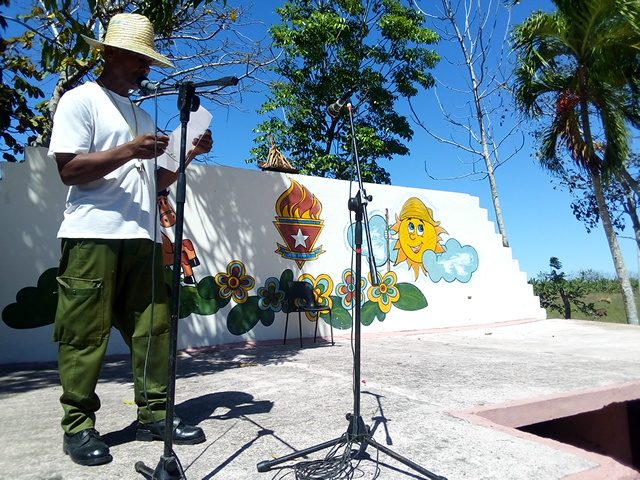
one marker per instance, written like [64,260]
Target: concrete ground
[260,402]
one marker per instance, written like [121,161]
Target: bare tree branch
[474,26]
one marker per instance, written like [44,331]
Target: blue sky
[538,218]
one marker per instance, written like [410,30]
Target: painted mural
[413,243]
[415,240]
[299,224]
[188,256]
[417,232]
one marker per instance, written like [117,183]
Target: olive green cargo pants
[104,284]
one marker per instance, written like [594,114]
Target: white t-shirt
[121,204]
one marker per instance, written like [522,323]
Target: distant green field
[608,304]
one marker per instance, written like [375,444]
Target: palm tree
[582,61]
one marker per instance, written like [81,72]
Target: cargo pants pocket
[80,317]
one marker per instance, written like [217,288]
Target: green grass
[609,303]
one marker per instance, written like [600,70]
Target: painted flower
[347,289]
[322,288]
[270,296]
[234,282]
[385,294]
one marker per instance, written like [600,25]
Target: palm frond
[617,136]
[585,53]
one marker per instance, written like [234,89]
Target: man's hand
[149,145]
[202,144]
[76,169]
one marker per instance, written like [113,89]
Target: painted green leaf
[380,315]
[244,316]
[266,316]
[340,317]
[35,306]
[205,306]
[411,298]
[369,312]
[192,302]
[285,279]
[208,288]
[188,301]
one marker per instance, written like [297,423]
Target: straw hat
[133,32]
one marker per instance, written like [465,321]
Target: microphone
[335,108]
[146,86]
[221,82]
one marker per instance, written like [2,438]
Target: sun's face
[417,232]
[415,237]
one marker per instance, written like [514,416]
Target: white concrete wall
[230,214]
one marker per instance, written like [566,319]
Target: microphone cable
[335,465]
[153,269]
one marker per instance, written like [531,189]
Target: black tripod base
[358,435]
[269,464]
[403,460]
[167,469]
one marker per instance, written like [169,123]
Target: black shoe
[182,434]
[86,448]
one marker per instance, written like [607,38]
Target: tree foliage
[621,199]
[18,77]
[579,65]
[556,292]
[196,34]
[377,47]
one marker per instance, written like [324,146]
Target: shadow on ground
[25,377]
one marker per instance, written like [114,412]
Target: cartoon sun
[417,232]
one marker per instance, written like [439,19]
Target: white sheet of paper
[198,122]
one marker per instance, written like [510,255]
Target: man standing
[110,272]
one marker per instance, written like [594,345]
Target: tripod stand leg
[144,470]
[266,465]
[404,460]
[167,469]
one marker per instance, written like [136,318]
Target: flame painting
[299,224]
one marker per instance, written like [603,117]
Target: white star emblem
[300,239]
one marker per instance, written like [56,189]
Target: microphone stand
[357,432]
[169,467]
